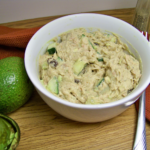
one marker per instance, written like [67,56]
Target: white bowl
[80,112]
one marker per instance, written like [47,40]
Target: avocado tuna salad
[88,67]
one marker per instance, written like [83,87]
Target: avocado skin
[7,134]
[15,85]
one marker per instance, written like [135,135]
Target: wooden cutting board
[44,129]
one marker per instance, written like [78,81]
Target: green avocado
[15,85]
[9,133]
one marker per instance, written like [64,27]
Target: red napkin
[13,43]
[147,107]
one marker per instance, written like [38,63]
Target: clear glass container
[142,15]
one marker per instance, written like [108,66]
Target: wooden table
[44,129]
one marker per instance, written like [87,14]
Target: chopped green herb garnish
[100,59]
[52,50]
[100,82]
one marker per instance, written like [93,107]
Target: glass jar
[142,15]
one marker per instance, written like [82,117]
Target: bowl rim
[132,96]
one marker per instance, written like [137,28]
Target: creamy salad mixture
[89,67]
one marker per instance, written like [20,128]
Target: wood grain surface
[44,129]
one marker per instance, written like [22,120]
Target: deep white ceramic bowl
[80,112]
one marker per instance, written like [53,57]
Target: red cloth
[13,43]
[147,107]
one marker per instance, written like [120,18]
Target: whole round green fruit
[15,85]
